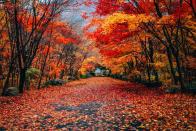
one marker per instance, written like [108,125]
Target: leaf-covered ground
[98,104]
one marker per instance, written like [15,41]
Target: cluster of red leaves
[122,103]
[119,34]
[105,7]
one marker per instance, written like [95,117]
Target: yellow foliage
[167,19]
[87,63]
[144,36]
[90,59]
[125,58]
[191,24]
[133,21]
[159,65]
[135,72]
[120,1]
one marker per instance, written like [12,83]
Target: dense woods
[148,41]
[97,65]
[37,44]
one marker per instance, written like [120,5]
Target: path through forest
[97,104]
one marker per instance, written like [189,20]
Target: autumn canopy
[150,45]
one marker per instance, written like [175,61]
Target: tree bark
[22,80]
[181,80]
[151,55]
[169,55]
[43,67]
[6,84]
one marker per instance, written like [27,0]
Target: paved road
[97,104]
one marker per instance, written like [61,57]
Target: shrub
[191,87]
[54,82]
[32,73]
[12,91]
[84,76]
[153,84]
[173,89]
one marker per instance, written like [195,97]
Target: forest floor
[98,104]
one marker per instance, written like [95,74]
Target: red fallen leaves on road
[98,103]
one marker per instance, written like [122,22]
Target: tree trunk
[156,75]
[62,74]
[181,80]
[151,55]
[148,72]
[6,84]
[43,67]
[22,80]
[41,76]
[171,66]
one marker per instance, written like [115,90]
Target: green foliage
[191,87]
[12,91]
[173,89]
[117,76]
[84,76]
[54,82]
[32,73]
